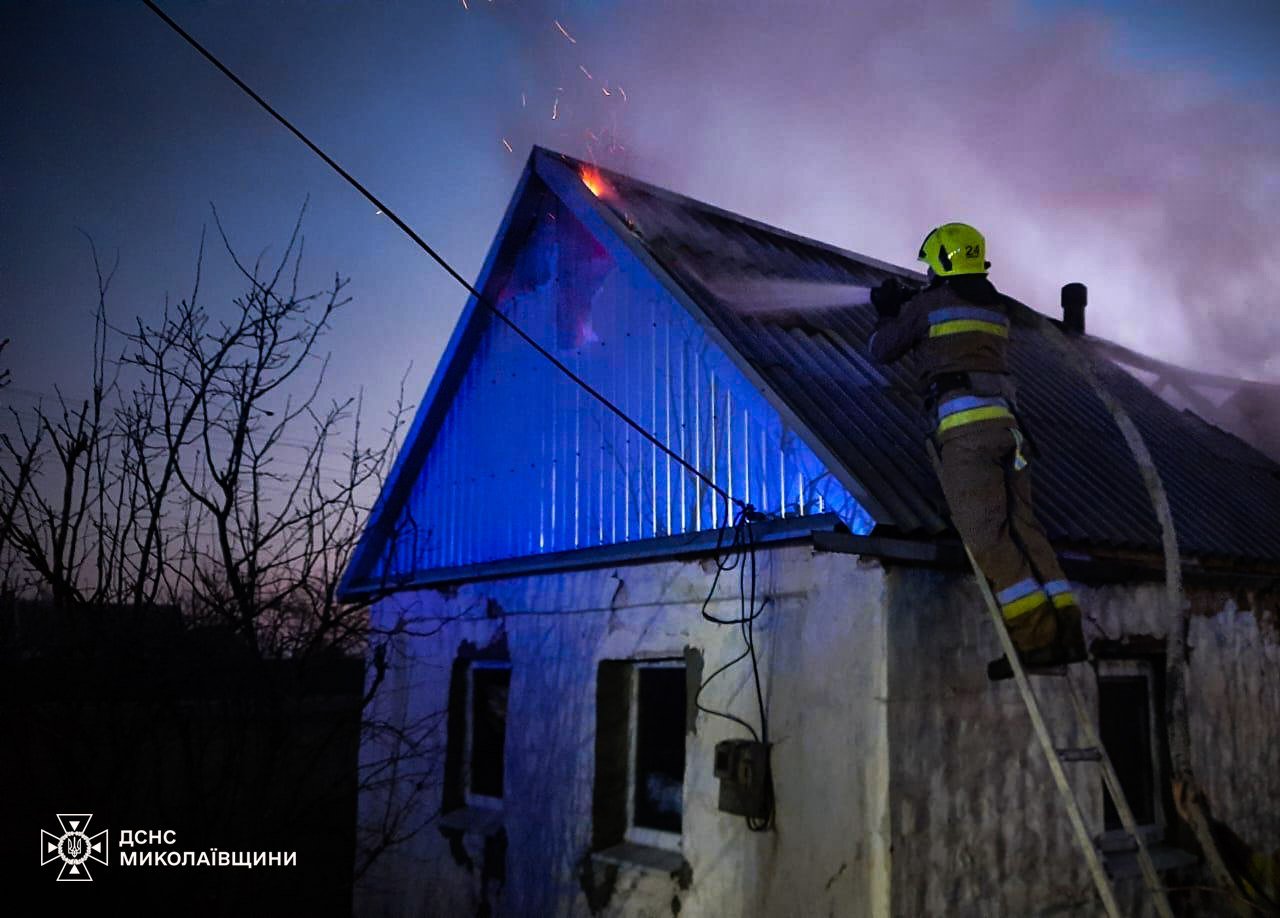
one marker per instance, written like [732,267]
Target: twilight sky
[1121,143]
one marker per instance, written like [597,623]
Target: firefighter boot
[1035,637]
[1071,646]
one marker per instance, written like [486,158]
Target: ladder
[1093,751]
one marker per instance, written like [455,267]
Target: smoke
[866,125]
[766,298]
[773,298]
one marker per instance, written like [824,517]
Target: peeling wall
[977,825]
[1235,664]
[822,645]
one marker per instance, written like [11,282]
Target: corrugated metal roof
[1225,495]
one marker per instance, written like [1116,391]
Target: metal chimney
[1074,298]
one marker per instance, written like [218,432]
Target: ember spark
[564,33]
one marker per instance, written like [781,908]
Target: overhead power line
[439,259]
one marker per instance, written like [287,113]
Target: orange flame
[594,181]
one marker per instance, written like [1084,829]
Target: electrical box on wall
[743,769]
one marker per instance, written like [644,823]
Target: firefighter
[958,329]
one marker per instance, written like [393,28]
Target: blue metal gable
[509,458]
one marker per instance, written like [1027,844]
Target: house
[544,569]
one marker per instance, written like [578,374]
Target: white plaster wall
[822,646]
[1235,665]
[972,804]
[977,826]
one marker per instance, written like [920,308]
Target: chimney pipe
[1074,298]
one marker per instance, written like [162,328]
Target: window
[476,732]
[1131,729]
[487,686]
[656,763]
[641,723]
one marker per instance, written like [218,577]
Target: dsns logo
[74,846]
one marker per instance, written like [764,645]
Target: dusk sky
[1127,145]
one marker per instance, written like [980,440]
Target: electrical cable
[748,632]
[740,555]
[726,560]
[438,258]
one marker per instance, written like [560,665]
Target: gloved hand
[889,297]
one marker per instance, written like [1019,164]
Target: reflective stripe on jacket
[947,332]
[959,320]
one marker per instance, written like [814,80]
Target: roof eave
[663,548]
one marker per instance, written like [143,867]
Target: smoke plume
[866,124]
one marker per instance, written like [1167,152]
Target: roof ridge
[669,196]
[1119,353]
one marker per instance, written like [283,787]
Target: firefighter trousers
[990,502]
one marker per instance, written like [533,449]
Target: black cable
[439,259]
[748,629]
[729,560]
[724,714]
[740,555]
[748,633]
[725,561]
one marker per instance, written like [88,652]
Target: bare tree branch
[209,470]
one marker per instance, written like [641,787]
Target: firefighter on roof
[958,329]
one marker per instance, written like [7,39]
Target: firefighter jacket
[958,331]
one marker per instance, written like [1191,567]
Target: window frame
[1152,832]
[471,798]
[643,835]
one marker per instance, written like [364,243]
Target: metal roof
[1225,495]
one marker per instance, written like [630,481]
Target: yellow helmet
[954,248]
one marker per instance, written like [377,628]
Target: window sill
[629,854]
[1118,840]
[1122,863]
[473,820]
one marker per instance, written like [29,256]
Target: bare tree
[13,482]
[204,469]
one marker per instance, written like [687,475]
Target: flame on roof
[592,178]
